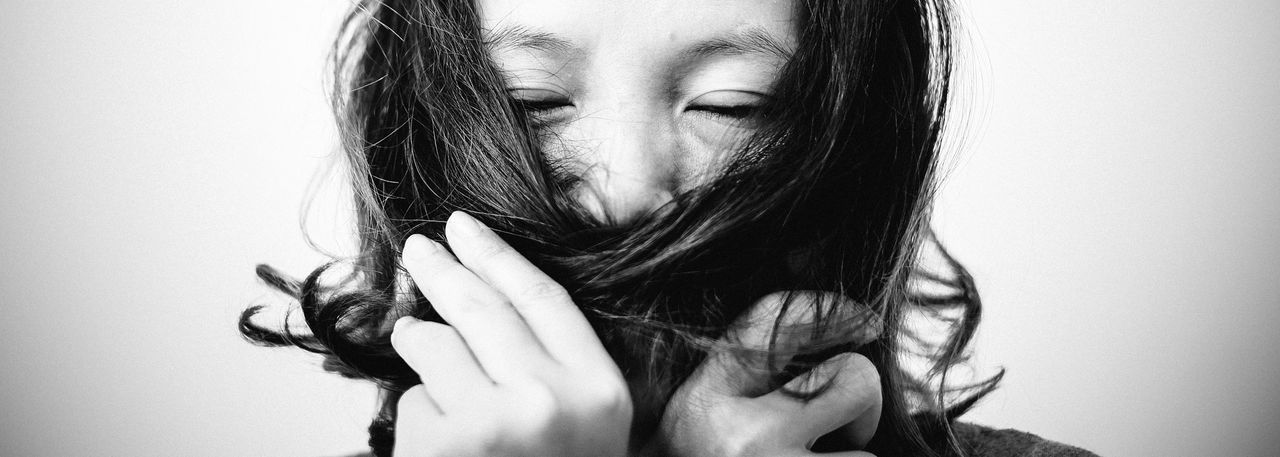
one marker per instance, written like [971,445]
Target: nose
[632,171]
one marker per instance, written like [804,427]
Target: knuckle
[796,302]
[543,290]
[857,383]
[485,306]
[744,440]
[804,307]
[735,431]
[540,407]
[769,305]
[859,368]
[493,248]
[613,399]
[485,437]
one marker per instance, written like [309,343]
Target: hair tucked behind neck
[840,177]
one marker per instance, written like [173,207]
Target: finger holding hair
[495,333]
[726,406]
[543,304]
[850,401]
[500,390]
[442,360]
[736,371]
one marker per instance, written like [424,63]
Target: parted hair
[831,193]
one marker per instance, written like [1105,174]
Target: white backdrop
[1117,201]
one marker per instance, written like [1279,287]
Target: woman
[673,228]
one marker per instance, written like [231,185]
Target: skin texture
[637,102]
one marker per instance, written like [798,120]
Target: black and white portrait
[670,228]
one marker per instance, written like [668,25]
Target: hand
[719,411]
[519,372]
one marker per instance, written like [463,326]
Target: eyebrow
[752,40]
[520,37]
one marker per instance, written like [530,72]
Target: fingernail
[418,245]
[464,224]
[403,321]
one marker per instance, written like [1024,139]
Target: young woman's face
[639,100]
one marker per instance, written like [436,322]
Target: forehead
[627,25]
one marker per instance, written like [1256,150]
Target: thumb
[761,343]
[849,401]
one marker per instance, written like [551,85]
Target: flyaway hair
[832,193]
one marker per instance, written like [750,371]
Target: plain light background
[1116,200]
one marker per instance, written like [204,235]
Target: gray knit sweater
[980,441]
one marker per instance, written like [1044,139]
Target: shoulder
[983,441]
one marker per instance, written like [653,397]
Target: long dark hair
[831,194]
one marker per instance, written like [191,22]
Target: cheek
[708,148]
[565,147]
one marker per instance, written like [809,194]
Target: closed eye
[727,105]
[727,111]
[541,104]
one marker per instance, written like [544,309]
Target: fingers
[415,412]
[858,383]
[496,334]
[545,306]
[441,358]
[779,323]
[778,423]
[851,401]
[740,369]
